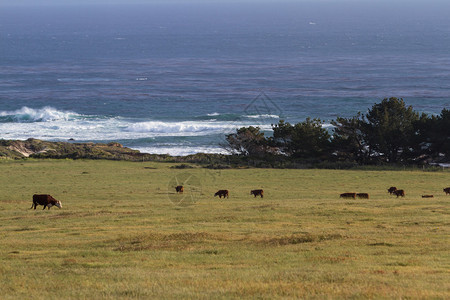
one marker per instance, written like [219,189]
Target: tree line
[389,133]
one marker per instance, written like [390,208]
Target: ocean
[176,78]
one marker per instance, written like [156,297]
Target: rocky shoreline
[34,148]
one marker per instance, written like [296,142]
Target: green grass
[120,235]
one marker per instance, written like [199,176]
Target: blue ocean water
[174,78]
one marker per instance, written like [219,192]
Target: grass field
[123,232]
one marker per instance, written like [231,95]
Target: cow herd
[223,193]
[354,195]
[392,190]
[49,201]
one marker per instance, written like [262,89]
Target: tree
[306,139]
[390,129]
[349,140]
[432,141]
[247,141]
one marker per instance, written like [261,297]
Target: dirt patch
[381,244]
[300,239]
[153,241]
[333,259]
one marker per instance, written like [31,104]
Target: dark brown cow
[221,193]
[427,196]
[179,189]
[46,200]
[392,189]
[447,190]
[257,193]
[348,195]
[399,193]
[363,195]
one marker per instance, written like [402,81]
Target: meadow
[123,232]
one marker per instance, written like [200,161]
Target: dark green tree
[389,129]
[432,141]
[306,140]
[349,140]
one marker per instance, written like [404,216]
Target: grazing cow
[257,193]
[221,193]
[348,195]
[447,190]
[179,189]
[427,196]
[399,193]
[46,200]
[392,189]
[363,195]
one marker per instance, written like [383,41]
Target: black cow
[257,193]
[392,190]
[348,195]
[399,193]
[221,193]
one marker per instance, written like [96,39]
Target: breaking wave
[263,116]
[29,115]
[177,127]
[49,123]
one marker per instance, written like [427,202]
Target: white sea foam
[263,116]
[182,128]
[181,150]
[45,114]
[327,125]
[52,124]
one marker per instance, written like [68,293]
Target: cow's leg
[45,205]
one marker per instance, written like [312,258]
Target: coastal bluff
[34,148]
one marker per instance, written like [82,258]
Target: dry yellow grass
[123,232]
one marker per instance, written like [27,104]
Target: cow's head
[58,203]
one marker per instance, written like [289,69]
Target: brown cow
[348,195]
[179,189]
[392,189]
[447,190]
[363,195]
[46,200]
[257,193]
[221,193]
[427,196]
[399,193]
